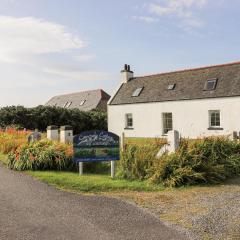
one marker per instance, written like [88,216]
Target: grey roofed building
[85,101]
[186,85]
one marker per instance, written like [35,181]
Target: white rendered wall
[190,117]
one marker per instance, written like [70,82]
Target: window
[65,104]
[167,122]
[210,85]
[82,102]
[129,120]
[214,118]
[68,105]
[137,92]
[171,86]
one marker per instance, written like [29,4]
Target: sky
[51,47]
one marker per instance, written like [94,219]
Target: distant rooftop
[85,100]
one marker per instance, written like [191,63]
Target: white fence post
[52,133]
[172,146]
[66,134]
[173,141]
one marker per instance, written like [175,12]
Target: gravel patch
[203,212]
[221,219]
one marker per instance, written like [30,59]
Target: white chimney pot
[126,74]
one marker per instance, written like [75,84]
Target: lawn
[140,141]
[92,182]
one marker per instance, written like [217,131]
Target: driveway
[30,209]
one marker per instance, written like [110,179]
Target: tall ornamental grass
[138,158]
[42,155]
[203,161]
[10,139]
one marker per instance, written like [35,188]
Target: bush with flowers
[202,161]
[42,155]
[10,139]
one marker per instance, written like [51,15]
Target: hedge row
[42,116]
[203,161]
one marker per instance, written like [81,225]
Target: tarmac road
[32,210]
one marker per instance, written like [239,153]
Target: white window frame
[137,92]
[163,123]
[210,112]
[127,125]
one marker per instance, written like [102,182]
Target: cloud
[21,38]
[184,10]
[145,19]
[85,57]
[39,58]
[73,75]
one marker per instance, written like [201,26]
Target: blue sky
[50,47]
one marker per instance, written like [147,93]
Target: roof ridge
[86,91]
[190,69]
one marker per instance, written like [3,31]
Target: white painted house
[196,102]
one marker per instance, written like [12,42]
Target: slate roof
[189,85]
[93,99]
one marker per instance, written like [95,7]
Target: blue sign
[92,146]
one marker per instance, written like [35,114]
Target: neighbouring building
[196,102]
[85,101]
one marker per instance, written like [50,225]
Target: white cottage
[196,102]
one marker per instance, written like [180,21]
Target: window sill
[215,128]
[128,128]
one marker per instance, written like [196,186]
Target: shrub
[209,160]
[11,139]
[202,161]
[137,161]
[42,155]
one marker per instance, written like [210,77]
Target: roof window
[65,104]
[210,84]
[171,86]
[69,104]
[137,92]
[82,102]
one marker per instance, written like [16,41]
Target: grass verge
[92,183]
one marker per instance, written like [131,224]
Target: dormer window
[82,102]
[210,84]
[171,86]
[137,92]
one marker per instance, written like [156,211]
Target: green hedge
[203,161]
[42,116]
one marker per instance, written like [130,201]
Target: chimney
[126,73]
